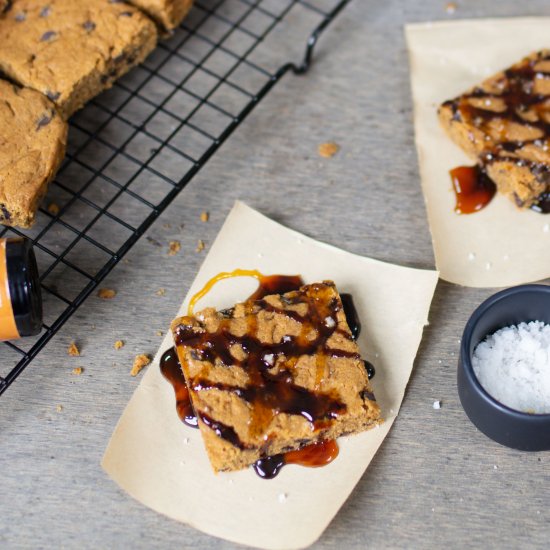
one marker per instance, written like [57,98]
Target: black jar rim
[24,286]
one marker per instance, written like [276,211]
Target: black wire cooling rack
[181,104]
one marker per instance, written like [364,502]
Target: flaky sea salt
[513,365]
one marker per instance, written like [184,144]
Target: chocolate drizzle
[223,431]
[351,315]
[516,104]
[270,391]
[312,456]
[171,370]
[269,366]
[369,367]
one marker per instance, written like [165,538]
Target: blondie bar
[167,13]
[71,50]
[32,146]
[274,375]
[504,123]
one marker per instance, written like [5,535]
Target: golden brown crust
[71,50]
[504,122]
[32,146]
[167,13]
[233,398]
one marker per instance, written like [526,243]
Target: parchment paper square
[499,245]
[162,463]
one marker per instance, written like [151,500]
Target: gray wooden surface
[436,481]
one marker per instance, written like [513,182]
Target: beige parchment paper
[162,463]
[500,245]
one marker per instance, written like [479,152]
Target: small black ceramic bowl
[519,430]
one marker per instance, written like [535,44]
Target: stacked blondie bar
[56,55]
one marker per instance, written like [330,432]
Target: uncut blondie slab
[504,123]
[32,146]
[274,375]
[71,50]
[167,13]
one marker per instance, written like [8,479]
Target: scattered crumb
[53,209]
[328,149]
[495,467]
[186,441]
[160,292]
[73,350]
[77,370]
[282,497]
[546,228]
[450,7]
[166,225]
[59,408]
[140,361]
[200,245]
[173,248]
[118,344]
[106,293]
[437,405]
[159,333]
[205,216]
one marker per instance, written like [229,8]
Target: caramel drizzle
[269,393]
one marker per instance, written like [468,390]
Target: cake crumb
[173,248]
[282,497]
[140,361]
[160,292]
[450,7]
[118,344]
[205,216]
[106,293]
[159,333]
[200,246]
[59,408]
[437,405]
[53,209]
[73,350]
[329,149]
[77,370]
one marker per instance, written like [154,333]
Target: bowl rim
[465,359]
